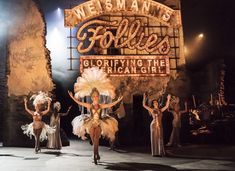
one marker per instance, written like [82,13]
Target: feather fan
[93,78]
[40,98]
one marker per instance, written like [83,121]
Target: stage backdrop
[139,43]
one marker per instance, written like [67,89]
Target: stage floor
[78,156]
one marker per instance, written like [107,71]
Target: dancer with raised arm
[54,140]
[176,123]
[93,83]
[38,128]
[156,130]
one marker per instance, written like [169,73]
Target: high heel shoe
[98,157]
[95,160]
[168,145]
[36,150]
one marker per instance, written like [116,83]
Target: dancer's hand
[120,98]
[144,96]
[168,96]
[49,101]
[70,93]
[69,108]
[25,100]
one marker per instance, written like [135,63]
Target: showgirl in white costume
[54,140]
[94,82]
[38,128]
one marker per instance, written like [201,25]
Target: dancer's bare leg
[97,138]
[35,138]
[37,133]
[92,136]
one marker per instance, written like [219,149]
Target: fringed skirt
[28,130]
[82,124]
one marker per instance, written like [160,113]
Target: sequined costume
[157,145]
[83,123]
[46,129]
[176,123]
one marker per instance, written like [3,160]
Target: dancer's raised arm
[87,105]
[167,103]
[64,114]
[111,104]
[185,108]
[26,107]
[145,106]
[48,108]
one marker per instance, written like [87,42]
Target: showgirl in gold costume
[157,145]
[94,82]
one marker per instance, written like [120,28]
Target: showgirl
[38,128]
[93,83]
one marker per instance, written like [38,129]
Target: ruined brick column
[2,87]
[28,69]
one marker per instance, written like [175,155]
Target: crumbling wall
[2,88]
[28,59]
[28,68]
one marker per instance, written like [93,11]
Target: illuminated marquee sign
[128,34]
[95,8]
[152,44]
[128,65]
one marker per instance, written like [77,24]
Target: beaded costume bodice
[96,112]
[157,116]
[37,116]
[176,115]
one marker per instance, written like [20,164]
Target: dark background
[215,20]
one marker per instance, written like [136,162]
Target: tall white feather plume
[93,78]
[40,98]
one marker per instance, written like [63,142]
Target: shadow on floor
[136,166]
[119,150]
[10,155]
[58,154]
[210,152]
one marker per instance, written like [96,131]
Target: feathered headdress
[40,98]
[93,78]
